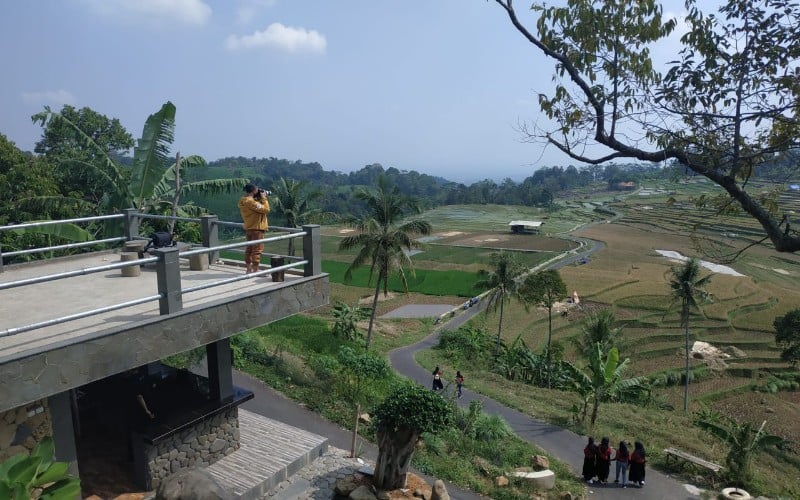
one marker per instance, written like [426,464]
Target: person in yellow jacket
[254,208]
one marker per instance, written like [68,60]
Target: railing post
[312,250]
[131,223]
[210,233]
[168,274]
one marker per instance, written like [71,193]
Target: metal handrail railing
[257,274]
[64,221]
[240,225]
[78,272]
[168,217]
[85,314]
[63,247]
[228,246]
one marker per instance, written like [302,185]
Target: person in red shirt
[589,461]
[622,458]
[603,460]
[637,461]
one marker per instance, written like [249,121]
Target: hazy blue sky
[437,86]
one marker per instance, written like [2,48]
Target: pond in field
[716,268]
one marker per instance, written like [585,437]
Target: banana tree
[152,183]
[602,380]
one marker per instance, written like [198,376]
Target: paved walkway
[563,444]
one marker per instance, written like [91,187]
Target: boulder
[566,496]
[346,485]
[542,480]
[191,484]
[362,493]
[501,481]
[439,491]
[540,462]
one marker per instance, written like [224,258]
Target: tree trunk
[176,199]
[499,329]
[595,408]
[549,338]
[355,431]
[374,310]
[686,337]
[395,450]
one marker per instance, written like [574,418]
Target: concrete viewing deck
[50,359]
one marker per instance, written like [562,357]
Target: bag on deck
[160,239]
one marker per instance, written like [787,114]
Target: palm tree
[687,287]
[382,240]
[545,288]
[503,283]
[599,327]
[292,200]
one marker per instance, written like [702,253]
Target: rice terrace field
[631,278]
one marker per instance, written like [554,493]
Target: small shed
[525,226]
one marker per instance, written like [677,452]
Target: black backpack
[160,239]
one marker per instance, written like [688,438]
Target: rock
[218,445]
[523,469]
[419,494]
[734,351]
[382,495]
[501,481]
[346,486]
[362,493]
[769,410]
[194,484]
[365,418]
[540,462]
[542,480]
[566,496]
[483,466]
[439,491]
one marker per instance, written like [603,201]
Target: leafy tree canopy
[787,336]
[414,407]
[725,108]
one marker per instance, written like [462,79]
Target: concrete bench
[682,455]
[135,246]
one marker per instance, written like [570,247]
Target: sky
[435,86]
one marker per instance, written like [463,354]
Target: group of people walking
[438,383]
[630,464]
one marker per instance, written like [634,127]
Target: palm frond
[151,154]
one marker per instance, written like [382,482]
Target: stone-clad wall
[200,445]
[19,432]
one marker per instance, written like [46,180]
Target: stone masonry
[201,445]
[22,428]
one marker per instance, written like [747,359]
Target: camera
[263,192]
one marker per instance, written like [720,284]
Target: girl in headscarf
[637,461]
[589,461]
[603,460]
[622,458]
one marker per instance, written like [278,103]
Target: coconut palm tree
[503,283]
[688,288]
[383,240]
[598,327]
[293,201]
[545,288]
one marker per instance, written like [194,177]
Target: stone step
[270,452]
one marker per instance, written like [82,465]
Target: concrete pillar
[312,250]
[210,234]
[169,280]
[220,369]
[131,223]
[63,430]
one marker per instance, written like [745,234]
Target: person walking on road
[637,461]
[459,382]
[603,460]
[589,461]
[622,458]
[438,385]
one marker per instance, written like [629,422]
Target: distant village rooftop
[521,226]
